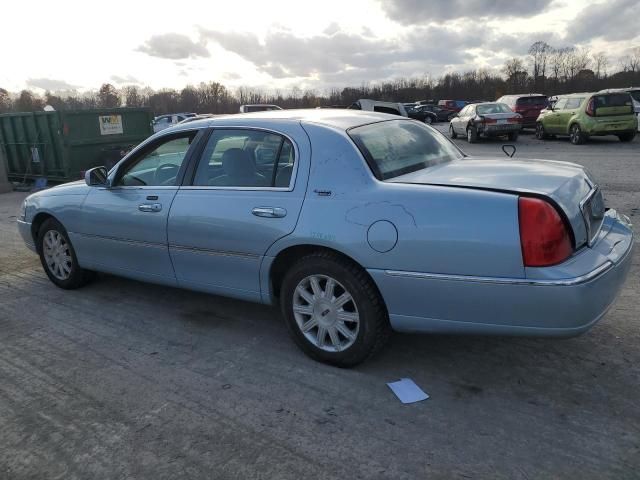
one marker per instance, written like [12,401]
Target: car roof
[338,118]
[519,95]
[619,90]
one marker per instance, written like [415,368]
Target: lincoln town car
[354,223]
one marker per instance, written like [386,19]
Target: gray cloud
[174,46]
[419,11]
[50,84]
[612,20]
[335,54]
[125,79]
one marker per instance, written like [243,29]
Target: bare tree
[132,97]
[5,101]
[631,62]
[108,96]
[600,63]
[539,52]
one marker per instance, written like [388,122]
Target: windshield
[396,147]
[493,108]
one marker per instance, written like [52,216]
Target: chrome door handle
[150,207]
[269,212]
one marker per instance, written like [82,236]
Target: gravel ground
[124,380]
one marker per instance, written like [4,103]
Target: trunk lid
[568,185]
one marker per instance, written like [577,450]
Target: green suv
[581,115]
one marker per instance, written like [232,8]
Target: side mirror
[96,177]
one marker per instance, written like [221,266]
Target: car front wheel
[472,135]
[428,120]
[58,257]
[452,132]
[332,310]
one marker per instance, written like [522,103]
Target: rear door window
[573,103]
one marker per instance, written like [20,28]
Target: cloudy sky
[280,44]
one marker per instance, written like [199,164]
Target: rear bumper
[566,303]
[25,232]
[489,130]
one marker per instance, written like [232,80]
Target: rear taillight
[544,237]
[590,108]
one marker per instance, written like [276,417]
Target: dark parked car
[442,114]
[422,114]
[486,119]
[528,105]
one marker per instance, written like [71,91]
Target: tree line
[545,69]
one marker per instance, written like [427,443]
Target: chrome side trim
[564,282]
[208,251]
[138,243]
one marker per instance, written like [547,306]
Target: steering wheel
[166,173]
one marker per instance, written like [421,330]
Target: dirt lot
[128,380]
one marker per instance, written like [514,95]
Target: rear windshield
[396,147]
[538,101]
[493,108]
[613,100]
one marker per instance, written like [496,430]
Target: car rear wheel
[627,137]
[332,310]
[472,135]
[58,257]
[452,132]
[576,136]
[428,120]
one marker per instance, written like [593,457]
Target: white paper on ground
[407,391]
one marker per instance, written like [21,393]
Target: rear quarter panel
[439,229]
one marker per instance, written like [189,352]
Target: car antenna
[508,146]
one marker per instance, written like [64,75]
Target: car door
[455,121]
[463,120]
[246,193]
[571,107]
[552,119]
[124,227]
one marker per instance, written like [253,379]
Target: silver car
[354,223]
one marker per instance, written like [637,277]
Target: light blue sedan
[355,223]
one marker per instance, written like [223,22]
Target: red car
[453,105]
[528,105]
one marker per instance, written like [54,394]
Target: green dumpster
[61,145]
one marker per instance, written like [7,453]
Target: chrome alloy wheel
[57,255]
[326,313]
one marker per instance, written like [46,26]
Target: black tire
[576,137]
[452,132]
[373,330]
[78,276]
[513,136]
[428,120]
[541,133]
[627,137]
[472,135]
